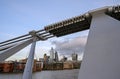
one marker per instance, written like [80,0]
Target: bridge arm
[29,65]
[9,52]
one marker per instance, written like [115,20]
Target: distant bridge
[102,52]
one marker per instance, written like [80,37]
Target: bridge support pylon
[29,65]
[102,51]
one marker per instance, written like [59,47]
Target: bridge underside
[79,23]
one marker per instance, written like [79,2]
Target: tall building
[56,56]
[64,59]
[52,55]
[74,57]
[45,58]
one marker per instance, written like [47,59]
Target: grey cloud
[67,47]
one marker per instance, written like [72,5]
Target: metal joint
[33,33]
[88,17]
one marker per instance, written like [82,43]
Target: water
[60,74]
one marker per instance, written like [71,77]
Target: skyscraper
[56,56]
[52,55]
[74,57]
[45,58]
[64,59]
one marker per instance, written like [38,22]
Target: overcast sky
[18,17]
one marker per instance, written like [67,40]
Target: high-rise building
[74,57]
[56,56]
[52,55]
[45,57]
[64,59]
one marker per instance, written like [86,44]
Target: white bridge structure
[102,52]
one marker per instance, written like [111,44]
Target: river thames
[59,74]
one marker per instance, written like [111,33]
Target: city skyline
[20,17]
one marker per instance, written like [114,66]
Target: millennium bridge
[102,51]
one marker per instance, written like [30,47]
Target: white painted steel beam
[102,52]
[29,65]
[10,51]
